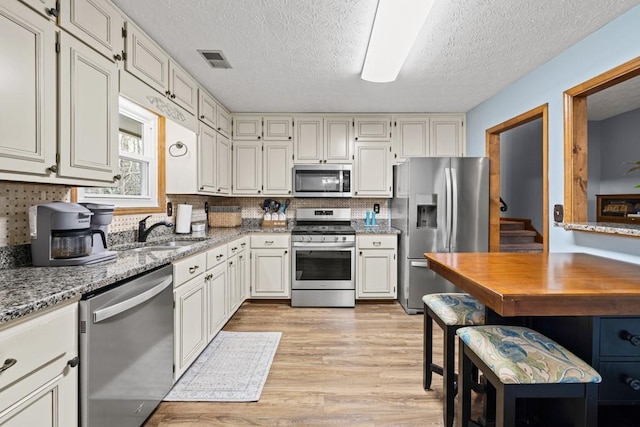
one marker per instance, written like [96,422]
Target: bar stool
[522,363]
[450,311]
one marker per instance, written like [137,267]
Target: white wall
[610,46]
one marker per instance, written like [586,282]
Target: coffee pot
[65,234]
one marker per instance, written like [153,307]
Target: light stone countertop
[618,228]
[26,290]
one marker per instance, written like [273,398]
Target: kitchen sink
[167,246]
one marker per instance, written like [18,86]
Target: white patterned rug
[233,368]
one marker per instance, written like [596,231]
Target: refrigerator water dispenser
[427,205]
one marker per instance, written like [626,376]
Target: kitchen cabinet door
[277,168]
[235,293]
[217,283]
[224,121]
[270,273]
[338,140]
[46,8]
[247,167]
[146,60]
[88,113]
[374,128]
[247,128]
[278,128]
[223,165]
[206,159]
[411,137]
[183,88]
[243,277]
[190,323]
[373,169]
[447,136]
[96,23]
[207,109]
[376,273]
[308,141]
[28,109]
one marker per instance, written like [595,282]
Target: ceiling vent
[215,58]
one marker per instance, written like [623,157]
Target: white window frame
[150,141]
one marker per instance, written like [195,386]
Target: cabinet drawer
[237,246]
[617,336]
[615,381]
[188,268]
[38,342]
[270,241]
[216,256]
[384,241]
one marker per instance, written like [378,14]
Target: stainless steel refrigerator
[440,204]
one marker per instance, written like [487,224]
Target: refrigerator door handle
[454,211]
[423,264]
[448,212]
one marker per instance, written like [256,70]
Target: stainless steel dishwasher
[126,350]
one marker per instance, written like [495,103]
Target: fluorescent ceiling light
[395,29]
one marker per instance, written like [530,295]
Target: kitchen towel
[183,219]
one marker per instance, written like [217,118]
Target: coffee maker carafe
[62,234]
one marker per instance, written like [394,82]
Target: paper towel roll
[183,219]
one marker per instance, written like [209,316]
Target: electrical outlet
[376,208]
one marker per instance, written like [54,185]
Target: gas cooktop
[327,229]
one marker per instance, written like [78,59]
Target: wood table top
[554,284]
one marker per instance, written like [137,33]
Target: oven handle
[114,310]
[323,245]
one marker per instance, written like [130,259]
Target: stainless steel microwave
[326,180]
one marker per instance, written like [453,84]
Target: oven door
[323,266]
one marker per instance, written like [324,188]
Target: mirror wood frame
[576,136]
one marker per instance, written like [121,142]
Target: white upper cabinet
[247,128]
[95,22]
[46,8]
[372,128]
[308,141]
[278,128]
[223,165]
[247,167]
[146,60]
[276,169]
[338,147]
[88,113]
[447,136]
[28,108]
[411,137]
[207,109]
[183,89]
[206,162]
[223,120]
[372,169]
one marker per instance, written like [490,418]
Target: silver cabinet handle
[218,257]
[7,364]
[377,243]
[120,307]
[193,269]
[268,242]
[422,264]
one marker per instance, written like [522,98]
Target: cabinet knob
[633,383]
[356,138]
[53,168]
[286,252]
[117,177]
[173,95]
[289,191]
[73,362]
[7,364]
[289,137]
[319,161]
[259,191]
[633,339]
[360,253]
[259,137]
[202,116]
[201,188]
[230,262]
[167,93]
[117,57]
[53,12]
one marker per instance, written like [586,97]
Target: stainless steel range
[323,262]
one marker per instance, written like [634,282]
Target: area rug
[233,368]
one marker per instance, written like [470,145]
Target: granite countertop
[603,227]
[25,290]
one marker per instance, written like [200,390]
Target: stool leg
[505,406]
[449,375]
[590,405]
[428,348]
[464,387]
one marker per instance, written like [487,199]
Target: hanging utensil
[286,205]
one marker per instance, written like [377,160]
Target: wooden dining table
[539,284]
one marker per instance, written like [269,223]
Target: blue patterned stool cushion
[519,355]
[456,309]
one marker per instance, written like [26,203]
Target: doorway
[493,152]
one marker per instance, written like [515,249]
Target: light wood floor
[355,367]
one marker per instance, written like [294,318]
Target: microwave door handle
[340,181]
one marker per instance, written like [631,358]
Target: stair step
[511,225]
[517,236]
[523,247]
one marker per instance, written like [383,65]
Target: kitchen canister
[183,219]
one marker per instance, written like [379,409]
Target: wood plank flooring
[334,366]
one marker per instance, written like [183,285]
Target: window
[139,148]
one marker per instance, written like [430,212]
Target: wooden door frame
[493,152]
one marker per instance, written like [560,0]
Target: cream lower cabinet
[373,171]
[270,266]
[217,285]
[41,387]
[190,311]
[377,267]
[238,268]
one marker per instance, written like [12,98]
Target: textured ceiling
[306,55]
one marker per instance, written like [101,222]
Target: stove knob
[344,238]
[336,238]
[310,238]
[323,238]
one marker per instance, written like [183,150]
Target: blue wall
[610,46]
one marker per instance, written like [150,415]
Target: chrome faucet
[143,231]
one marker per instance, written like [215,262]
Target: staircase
[514,237]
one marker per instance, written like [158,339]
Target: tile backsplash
[16,198]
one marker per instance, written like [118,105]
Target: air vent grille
[215,58]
